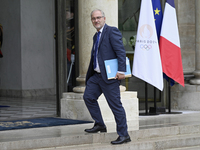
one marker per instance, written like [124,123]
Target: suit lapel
[102,34]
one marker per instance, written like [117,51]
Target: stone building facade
[34,48]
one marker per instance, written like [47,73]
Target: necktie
[95,49]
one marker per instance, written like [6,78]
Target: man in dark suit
[107,44]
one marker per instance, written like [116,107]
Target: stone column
[86,32]
[196,73]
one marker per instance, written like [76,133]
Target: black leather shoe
[121,140]
[96,129]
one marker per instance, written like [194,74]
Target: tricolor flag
[170,44]
[147,63]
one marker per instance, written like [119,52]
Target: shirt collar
[101,29]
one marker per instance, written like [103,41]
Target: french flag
[170,50]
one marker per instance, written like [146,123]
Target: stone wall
[186,98]
[186,22]
[28,65]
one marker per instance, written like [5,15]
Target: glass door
[28,65]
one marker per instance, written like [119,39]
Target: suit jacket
[110,47]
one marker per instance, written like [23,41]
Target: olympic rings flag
[147,63]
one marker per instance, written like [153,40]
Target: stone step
[186,148]
[181,142]
[124,95]
[154,138]
[73,106]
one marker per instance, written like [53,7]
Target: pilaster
[86,32]
[196,80]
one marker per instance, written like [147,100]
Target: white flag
[147,63]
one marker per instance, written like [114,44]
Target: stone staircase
[182,142]
[184,136]
[168,132]
[178,137]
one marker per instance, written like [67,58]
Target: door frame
[60,51]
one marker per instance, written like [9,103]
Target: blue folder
[112,68]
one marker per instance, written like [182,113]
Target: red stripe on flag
[171,60]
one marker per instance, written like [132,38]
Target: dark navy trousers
[94,88]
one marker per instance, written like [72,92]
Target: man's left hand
[120,76]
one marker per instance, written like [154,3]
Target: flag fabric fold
[147,62]
[170,50]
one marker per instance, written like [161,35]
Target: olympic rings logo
[145,47]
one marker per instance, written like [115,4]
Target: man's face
[98,20]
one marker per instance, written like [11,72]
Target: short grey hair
[103,14]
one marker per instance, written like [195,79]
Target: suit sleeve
[118,48]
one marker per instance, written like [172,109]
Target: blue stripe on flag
[171,2]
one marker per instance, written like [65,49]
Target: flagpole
[155,106]
[154,110]
[146,100]
[169,94]
[169,98]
